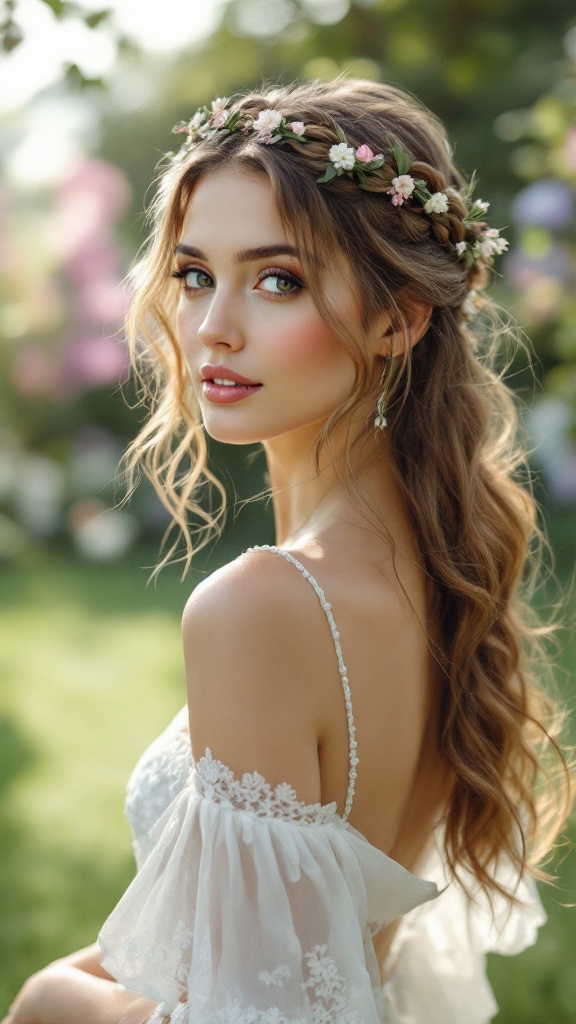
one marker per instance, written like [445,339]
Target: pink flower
[403,185]
[298,127]
[219,119]
[402,188]
[364,154]
[267,122]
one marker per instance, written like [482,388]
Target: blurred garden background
[90,667]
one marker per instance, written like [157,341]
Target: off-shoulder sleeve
[437,963]
[253,908]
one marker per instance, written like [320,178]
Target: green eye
[193,278]
[279,284]
[284,285]
[197,279]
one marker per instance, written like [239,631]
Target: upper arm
[254,641]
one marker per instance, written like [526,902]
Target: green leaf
[58,7]
[403,161]
[471,187]
[329,173]
[287,134]
[11,36]
[233,122]
[77,77]
[97,17]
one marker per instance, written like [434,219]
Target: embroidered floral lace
[252,907]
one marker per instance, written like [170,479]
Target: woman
[314,283]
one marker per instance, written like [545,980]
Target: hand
[60,994]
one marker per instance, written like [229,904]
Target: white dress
[252,907]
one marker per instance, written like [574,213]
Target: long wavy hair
[451,436]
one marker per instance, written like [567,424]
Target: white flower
[481,205]
[219,104]
[298,127]
[342,156]
[500,246]
[471,304]
[403,185]
[197,121]
[461,247]
[438,203]
[484,248]
[276,977]
[267,121]
[490,244]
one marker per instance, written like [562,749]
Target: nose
[221,324]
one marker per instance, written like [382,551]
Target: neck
[306,500]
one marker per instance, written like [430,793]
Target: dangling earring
[380,421]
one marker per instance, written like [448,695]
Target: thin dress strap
[353,759]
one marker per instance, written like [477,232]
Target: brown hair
[452,436]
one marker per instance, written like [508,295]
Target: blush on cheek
[312,345]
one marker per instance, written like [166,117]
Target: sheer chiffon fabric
[254,907]
[251,907]
[436,967]
[437,962]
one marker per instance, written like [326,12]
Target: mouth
[224,377]
[224,389]
[225,382]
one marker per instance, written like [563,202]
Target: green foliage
[11,34]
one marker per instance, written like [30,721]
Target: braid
[451,420]
[443,209]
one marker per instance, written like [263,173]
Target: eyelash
[283,275]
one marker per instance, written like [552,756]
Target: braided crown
[455,218]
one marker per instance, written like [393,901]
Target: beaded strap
[341,666]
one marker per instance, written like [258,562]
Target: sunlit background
[90,663]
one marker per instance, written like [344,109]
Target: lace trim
[331,999]
[327,608]
[215,781]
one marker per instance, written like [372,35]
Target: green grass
[91,671]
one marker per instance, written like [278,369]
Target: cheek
[308,347]
[186,326]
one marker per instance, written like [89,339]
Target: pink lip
[208,373]
[224,394]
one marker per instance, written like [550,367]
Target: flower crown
[482,243]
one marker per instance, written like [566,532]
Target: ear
[392,338]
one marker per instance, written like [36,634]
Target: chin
[228,434]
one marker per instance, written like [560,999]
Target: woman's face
[245,314]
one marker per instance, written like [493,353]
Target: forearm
[88,960]
[94,1001]
[62,994]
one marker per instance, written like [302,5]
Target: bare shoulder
[250,635]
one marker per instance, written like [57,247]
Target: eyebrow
[244,255]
